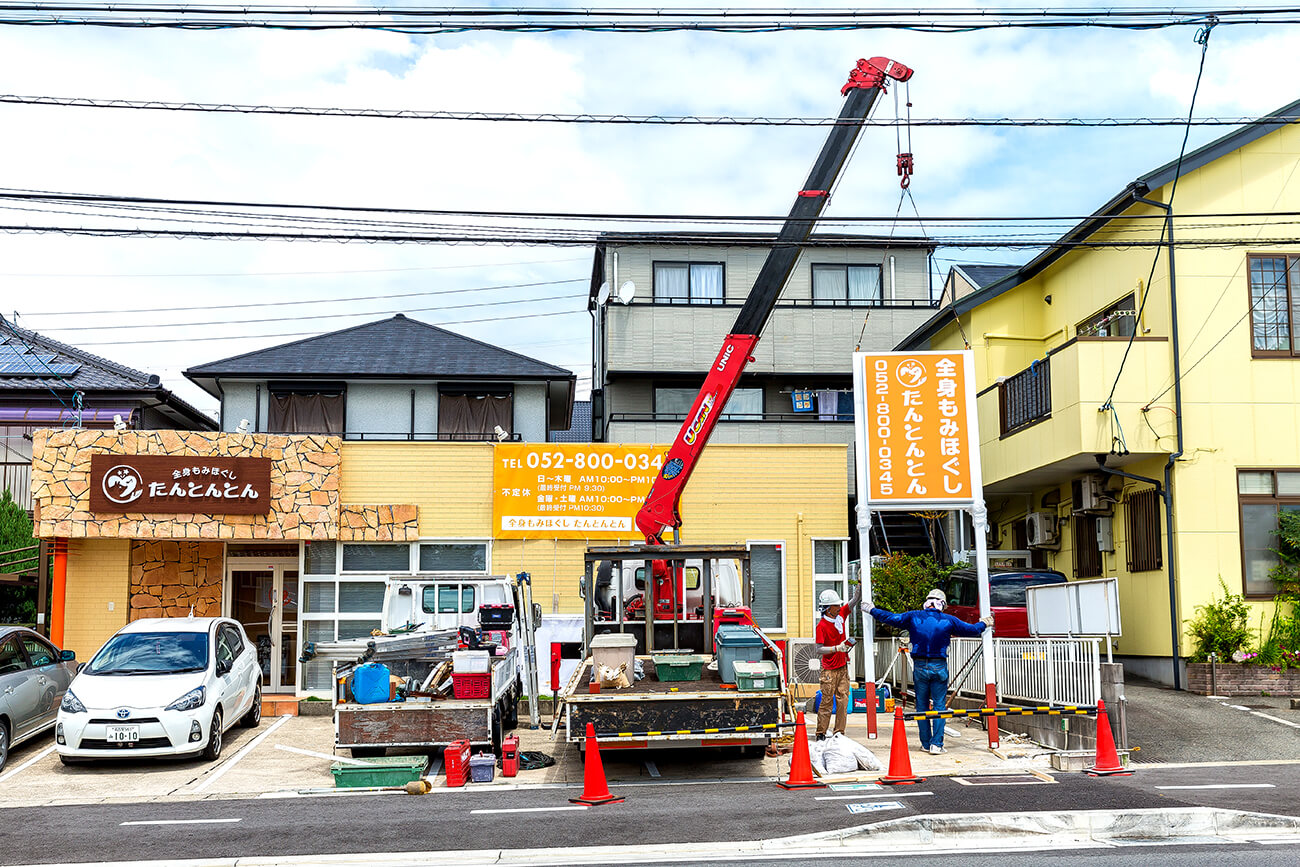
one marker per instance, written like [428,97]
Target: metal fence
[1037,670]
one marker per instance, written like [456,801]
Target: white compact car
[167,686]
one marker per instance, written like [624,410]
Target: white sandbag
[838,756]
[866,759]
[815,750]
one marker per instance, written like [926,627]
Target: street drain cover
[1002,780]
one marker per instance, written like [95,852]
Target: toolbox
[482,768]
[737,644]
[678,666]
[510,756]
[755,676]
[455,763]
[496,616]
[380,771]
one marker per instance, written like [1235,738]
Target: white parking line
[859,796]
[248,748]
[181,822]
[1275,719]
[1224,786]
[531,809]
[27,764]
[326,756]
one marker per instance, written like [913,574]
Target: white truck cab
[445,600]
[623,587]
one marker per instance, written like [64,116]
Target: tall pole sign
[917,448]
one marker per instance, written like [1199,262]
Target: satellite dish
[603,294]
[627,292]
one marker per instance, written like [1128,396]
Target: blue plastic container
[737,644]
[370,683]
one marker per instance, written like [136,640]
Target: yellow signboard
[571,490]
[916,413]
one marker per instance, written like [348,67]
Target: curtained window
[851,285]
[688,283]
[306,412]
[474,415]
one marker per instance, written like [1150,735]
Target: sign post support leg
[980,518]
[868,623]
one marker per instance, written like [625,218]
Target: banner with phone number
[571,490]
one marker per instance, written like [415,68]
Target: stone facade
[305,502]
[171,577]
[1231,678]
[379,524]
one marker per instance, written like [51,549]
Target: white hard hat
[937,595]
[829,597]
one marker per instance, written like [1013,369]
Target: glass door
[264,598]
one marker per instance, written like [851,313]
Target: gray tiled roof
[390,348]
[983,275]
[94,374]
[580,429]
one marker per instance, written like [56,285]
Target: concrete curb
[979,832]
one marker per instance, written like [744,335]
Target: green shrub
[1220,627]
[900,582]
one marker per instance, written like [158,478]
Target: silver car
[34,675]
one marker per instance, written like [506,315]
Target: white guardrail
[1035,670]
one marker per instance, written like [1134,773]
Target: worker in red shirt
[833,644]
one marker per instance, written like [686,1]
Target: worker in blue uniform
[931,631]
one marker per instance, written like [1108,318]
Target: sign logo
[672,468]
[123,484]
[911,373]
[123,713]
[701,416]
[726,356]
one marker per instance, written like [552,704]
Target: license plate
[123,734]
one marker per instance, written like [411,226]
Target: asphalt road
[1248,855]
[1171,726]
[665,812]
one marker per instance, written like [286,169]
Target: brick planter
[1234,678]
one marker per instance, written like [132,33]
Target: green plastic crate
[678,667]
[755,676]
[380,771]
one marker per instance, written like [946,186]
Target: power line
[435,20]
[85,275]
[630,119]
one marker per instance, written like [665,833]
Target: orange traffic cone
[595,791]
[900,763]
[1107,762]
[801,772]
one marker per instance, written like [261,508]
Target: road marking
[247,748]
[1275,719]
[874,806]
[325,756]
[530,810]
[27,764]
[180,822]
[1224,786]
[860,795]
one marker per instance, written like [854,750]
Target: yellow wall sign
[916,419]
[571,490]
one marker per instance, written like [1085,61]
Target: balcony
[1043,424]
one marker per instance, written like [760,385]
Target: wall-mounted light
[1047,298]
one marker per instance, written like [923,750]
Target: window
[690,578]
[11,658]
[39,652]
[688,283]
[676,402]
[767,584]
[448,599]
[1117,320]
[1142,521]
[1263,495]
[1087,556]
[376,558]
[228,646]
[1274,305]
[846,285]
[829,556]
[453,557]
[320,558]
[474,415]
[306,411]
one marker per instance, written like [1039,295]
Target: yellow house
[1139,388]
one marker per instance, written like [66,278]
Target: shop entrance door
[264,598]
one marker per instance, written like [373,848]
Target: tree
[17,604]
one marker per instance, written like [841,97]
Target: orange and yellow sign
[918,415]
[571,490]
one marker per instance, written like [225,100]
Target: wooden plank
[412,725]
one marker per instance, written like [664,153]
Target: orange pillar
[59,592]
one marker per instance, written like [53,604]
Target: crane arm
[661,508]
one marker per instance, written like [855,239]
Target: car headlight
[191,700]
[71,704]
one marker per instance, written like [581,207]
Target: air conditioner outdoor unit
[1040,529]
[1089,494]
[805,663]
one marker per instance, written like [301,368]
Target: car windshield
[152,653]
[1009,591]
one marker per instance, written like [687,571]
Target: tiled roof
[93,374]
[580,429]
[396,347]
[980,276]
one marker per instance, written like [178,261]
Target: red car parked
[1006,595]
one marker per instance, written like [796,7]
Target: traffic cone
[801,772]
[595,791]
[1107,762]
[900,763]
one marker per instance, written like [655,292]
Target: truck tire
[368,752]
[498,722]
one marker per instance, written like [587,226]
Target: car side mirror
[68,656]
[223,668]
[582,587]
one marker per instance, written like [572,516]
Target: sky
[87,291]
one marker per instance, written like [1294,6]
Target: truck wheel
[368,752]
[498,714]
